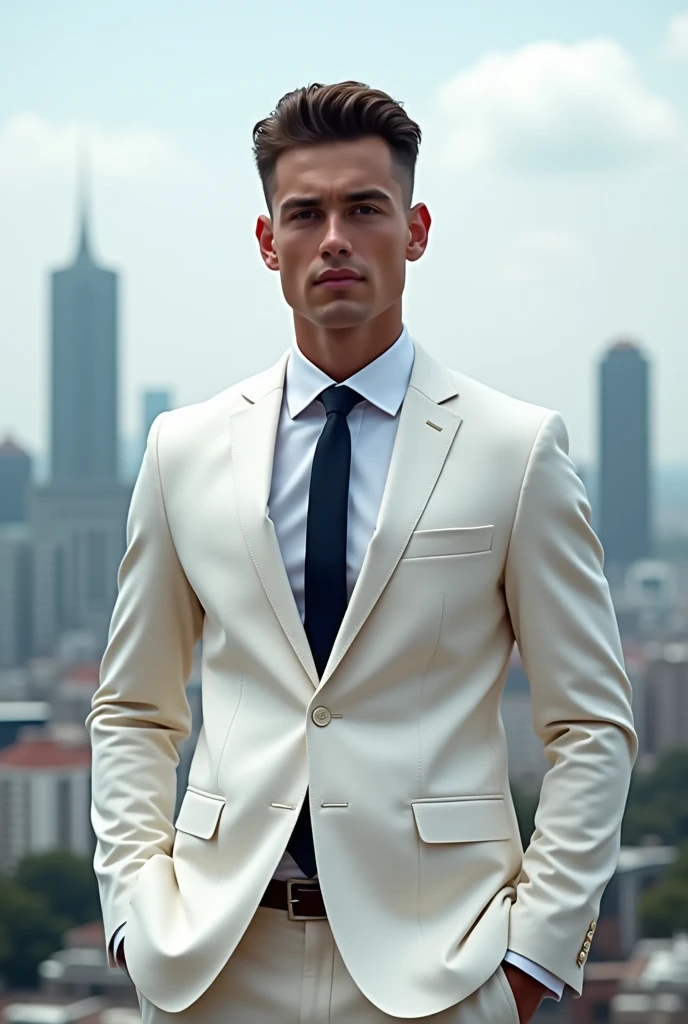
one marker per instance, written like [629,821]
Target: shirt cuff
[550,981]
[117,940]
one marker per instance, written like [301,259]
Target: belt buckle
[291,900]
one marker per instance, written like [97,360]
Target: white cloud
[551,107]
[677,36]
[539,253]
[34,149]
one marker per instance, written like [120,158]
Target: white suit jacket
[483,538]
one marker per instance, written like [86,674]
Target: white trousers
[291,972]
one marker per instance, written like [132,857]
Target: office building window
[95,565]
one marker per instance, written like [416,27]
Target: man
[358,535]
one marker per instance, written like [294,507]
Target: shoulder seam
[158,474]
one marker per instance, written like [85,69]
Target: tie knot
[339,399]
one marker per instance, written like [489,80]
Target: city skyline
[559,227]
[154,399]
[553,162]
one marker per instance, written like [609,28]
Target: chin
[341,314]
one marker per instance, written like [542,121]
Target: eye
[365,208]
[303,215]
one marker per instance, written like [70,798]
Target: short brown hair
[332,113]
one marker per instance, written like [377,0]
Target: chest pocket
[461,540]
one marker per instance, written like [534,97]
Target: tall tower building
[84,368]
[154,402]
[15,481]
[624,485]
[79,518]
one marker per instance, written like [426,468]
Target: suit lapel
[424,436]
[253,432]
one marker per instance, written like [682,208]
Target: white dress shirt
[373,425]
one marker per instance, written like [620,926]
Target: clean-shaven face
[340,231]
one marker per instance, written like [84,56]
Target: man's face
[341,231]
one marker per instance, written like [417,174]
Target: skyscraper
[15,480]
[154,402]
[79,518]
[84,366]
[624,486]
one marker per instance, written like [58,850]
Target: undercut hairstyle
[345,111]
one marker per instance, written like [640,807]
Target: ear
[419,222]
[266,242]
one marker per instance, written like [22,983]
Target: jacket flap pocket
[199,813]
[461,819]
[463,540]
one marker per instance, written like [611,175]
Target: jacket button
[321,716]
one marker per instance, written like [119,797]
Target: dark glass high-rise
[84,371]
[625,519]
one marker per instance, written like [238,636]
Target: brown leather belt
[300,897]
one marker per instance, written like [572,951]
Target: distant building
[665,697]
[655,987]
[78,974]
[79,518]
[154,403]
[15,481]
[40,1008]
[44,799]
[79,541]
[613,964]
[618,925]
[646,598]
[17,715]
[16,597]
[73,694]
[84,391]
[82,976]
[625,520]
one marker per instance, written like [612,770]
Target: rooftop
[667,965]
[24,711]
[639,858]
[41,754]
[86,673]
[85,1010]
[85,936]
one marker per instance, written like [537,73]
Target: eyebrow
[363,196]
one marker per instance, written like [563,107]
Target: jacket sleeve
[566,631]
[140,714]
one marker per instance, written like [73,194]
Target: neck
[342,351]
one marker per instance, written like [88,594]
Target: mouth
[338,279]
[339,283]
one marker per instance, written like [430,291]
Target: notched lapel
[253,431]
[420,450]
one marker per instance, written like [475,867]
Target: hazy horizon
[554,163]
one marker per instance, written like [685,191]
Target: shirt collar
[383,382]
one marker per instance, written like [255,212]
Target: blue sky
[554,161]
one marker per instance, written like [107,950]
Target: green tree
[28,933]
[658,801]
[66,882]
[664,907]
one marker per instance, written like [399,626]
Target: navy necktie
[325,567]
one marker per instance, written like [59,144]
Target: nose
[335,241]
